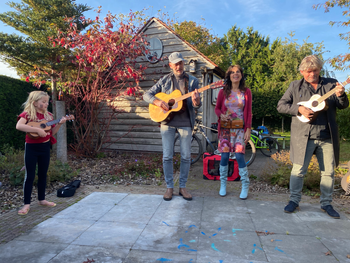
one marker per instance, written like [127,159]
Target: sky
[272,18]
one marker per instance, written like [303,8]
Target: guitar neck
[49,123]
[187,95]
[330,93]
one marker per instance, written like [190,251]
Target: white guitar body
[313,105]
[317,103]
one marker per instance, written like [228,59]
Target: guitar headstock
[347,81]
[218,84]
[69,117]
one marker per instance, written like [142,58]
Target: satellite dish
[154,50]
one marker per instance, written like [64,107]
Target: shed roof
[151,20]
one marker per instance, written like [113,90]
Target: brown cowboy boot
[186,195]
[168,194]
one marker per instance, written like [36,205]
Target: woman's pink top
[220,108]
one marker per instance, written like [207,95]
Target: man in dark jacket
[182,121]
[313,130]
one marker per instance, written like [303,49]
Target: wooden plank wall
[133,130]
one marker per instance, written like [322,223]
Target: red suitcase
[211,171]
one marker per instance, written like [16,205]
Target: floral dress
[232,140]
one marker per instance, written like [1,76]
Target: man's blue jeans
[325,158]
[168,137]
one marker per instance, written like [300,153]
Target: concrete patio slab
[132,228]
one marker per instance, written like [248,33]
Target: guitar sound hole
[42,126]
[314,103]
[171,103]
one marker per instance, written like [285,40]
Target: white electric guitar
[317,103]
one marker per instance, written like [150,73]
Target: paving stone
[338,247]
[129,213]
[79,254]
[85,211]
[111,234]
[58,230]
[292,248]
[269,216]
[104,198]
[121,227]
[141,256]
[142,200]
[169,239]
[228,243]
[18,251]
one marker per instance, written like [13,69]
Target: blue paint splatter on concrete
[255,247]
[221,261]
[192,241]
[280,250]
[203,233]
[191,249]
[182,245]
[213,247]
[234,230]
[164,259]
[165,223]
[190,227]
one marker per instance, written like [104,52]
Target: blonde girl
[37,151]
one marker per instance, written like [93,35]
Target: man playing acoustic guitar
[182,121]
[319,135]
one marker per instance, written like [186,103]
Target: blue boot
[243,172]
[223,179]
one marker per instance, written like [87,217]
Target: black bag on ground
[69,189]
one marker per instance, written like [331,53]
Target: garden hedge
[13,93]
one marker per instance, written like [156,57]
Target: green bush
[279,172]
[12,162]
[343,120]
[13,93]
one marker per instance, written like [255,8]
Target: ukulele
[175,101]
[45,125]
[317,103]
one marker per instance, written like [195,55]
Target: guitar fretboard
[331,92]
[214,85]
[49,123]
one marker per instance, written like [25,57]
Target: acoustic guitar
[175,101]
[45,125]
[317,103]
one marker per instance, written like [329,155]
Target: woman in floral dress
[234,102]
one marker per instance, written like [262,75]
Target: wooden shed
[133,130]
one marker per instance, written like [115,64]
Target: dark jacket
[300,130]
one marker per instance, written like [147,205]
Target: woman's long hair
[227,87]
[29,105]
